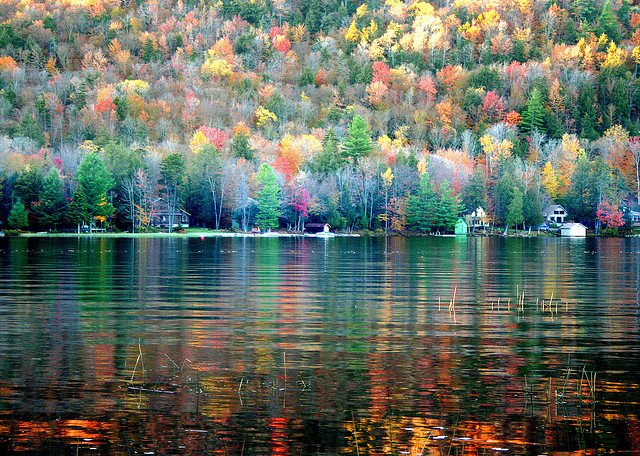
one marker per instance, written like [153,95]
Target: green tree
[148,51]
[208,176]
[503,192]
[515,208]
[95,181]
[421,207]
[607,22]
[49,211]
[268,198]
[18,216]
[357,144]
[30,128]
[614,96]
[533,116]
[585,113]
[29,185]
[585,10]
[312,15]
[446,209]
[240,147]
[590,184]
[532,208]
[3,197]
[124,163]
[475,193]
[329,159]
[78,211]
[172,174]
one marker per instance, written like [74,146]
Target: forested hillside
[367,115]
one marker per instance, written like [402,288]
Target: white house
[478,218]
[554,214]
[635,218]
[573,230]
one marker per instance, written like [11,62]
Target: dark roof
[178,209]
[316,225]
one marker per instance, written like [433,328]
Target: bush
[12,233]
[147,229]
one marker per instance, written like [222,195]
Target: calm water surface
[312,346]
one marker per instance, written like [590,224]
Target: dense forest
[366,115]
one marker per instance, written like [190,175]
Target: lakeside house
[161,215]
[315,228]
[573,230]
[635,218]
[478,219]
[554,213]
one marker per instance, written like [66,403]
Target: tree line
[508,108]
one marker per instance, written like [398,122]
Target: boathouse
[573,230]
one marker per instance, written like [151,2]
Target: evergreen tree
[148,51]
[582,197]
[503,191]
[532,209]
[421,207]
[533,117]
[50,208]
[312,15]
[30,128]
[268,199]
[18,216]
[329,159]
[29,185]
[240,147]
[585,114]
[78,211]
[358,141]
[607,22]
[515,208]
[475,193]
[3,200]
[447,208]
[585,10]
[95,180]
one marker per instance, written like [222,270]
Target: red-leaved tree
[609,215]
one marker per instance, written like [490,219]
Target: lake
[300,346]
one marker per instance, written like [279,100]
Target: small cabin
[635,218]
[315,228]
[554,214]
[461,227]
[573,230]
[161,215]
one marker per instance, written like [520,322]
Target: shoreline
[275,234]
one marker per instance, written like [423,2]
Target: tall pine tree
[447,209]
[358,141]
[95,180]
[49,211]
[18,216]
[268,199]
[533,117]
[421,207]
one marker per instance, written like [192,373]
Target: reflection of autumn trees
[360,325]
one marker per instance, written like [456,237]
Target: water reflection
[311,346]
